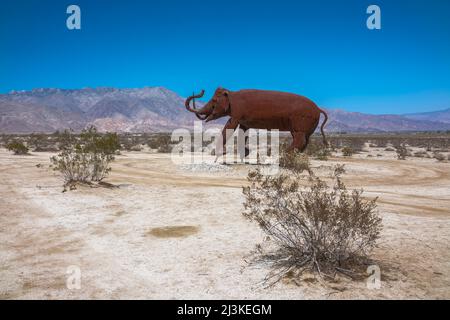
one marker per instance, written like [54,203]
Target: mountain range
[156,109]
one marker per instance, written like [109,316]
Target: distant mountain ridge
[155,109]
[440,116]
[109,109]
[341,120]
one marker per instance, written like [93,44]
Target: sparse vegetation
[294,160]
[347,151]
[85,158]
[401,151]
[130,142]
[18,147]
[161,142]
[321,228]
[318,150]
[438,156]
[420,154]
[41,143]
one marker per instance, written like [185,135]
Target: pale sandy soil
[113,235]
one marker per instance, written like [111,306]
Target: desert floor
[112,235]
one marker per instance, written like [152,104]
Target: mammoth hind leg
[299,141]
[307,140]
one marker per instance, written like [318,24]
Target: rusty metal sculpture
[260,109]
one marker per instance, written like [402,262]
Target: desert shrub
[420,154]
[161,142]
[65,139]
[36,141]
[438,156]
[317,150]
[357,144]
[347,151]
[46,148]
[401,151]
[381,142]
[158,140]
[130,142]
[318,227]
[136,147]
[17,147]
[294,160]
[165,148]
[85,158]
[43,143]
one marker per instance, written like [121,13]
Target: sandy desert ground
[177,232]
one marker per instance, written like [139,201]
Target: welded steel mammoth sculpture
[260,109]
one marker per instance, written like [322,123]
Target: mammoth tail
[325,142]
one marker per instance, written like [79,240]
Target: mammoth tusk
[192,98]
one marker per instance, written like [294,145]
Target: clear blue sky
[321,49]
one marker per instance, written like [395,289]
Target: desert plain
[177,232]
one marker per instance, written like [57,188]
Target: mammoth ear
[226,93]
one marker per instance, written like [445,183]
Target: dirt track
[114,235]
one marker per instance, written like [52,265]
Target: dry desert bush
[347,151]
[439,156]
[420,154]
[318,150]
[402,151]
[294,160]
[85,158]
[310,226]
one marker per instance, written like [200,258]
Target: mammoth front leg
[227,132]
[243,142]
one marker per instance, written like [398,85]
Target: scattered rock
[205,167]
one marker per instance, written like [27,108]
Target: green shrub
[85,158]
[18,147]
[161,142]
